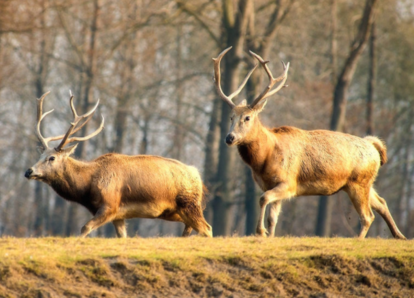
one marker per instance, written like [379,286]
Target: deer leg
[101,217]
[187,231]
[176,217]
[273,216]
[197,223]
[120,228]
[280,192]
[359,196]
[192,215]
[380,205]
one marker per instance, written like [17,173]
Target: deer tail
[380,146]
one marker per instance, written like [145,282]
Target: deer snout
[28,173]
[230,139]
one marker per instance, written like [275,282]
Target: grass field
[200,267]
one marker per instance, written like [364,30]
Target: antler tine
[72,107]
[282,78]
[79,139]
[82,125]
[75,115]
[73,129]
[217,79]
[266,93]
[40,117]
[86,115]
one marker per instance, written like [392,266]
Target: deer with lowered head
[115,187]
[287,161]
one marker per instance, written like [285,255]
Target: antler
[40,117]
[87,116]
[272,80]
[73,129]
[217,76]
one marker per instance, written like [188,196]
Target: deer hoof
[400,237]
[262,232]
[85,231]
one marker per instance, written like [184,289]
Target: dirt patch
[316,276]
[198,267]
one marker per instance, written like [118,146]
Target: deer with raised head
[287,161]
[115,187]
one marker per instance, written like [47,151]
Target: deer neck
[257,145]
[73,181]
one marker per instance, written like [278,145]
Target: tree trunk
[58,218]
[211,156]
[89,70]
[370,95]
[41,201]
[406,177]
[348,70]
[251,201]
[339,104]
[409,218]
[71,225]
[405,185]
[179,133]
[234,33]
[334,42]
[39,198]
[38,209]
[323,221]
[223,197]
[371,80]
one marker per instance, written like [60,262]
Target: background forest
[149,62]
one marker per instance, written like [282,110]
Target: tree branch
[184,7]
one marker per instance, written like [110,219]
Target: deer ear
[259,107]
[69,150]
[244,102]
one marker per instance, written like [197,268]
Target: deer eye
[52,158]
[247,118]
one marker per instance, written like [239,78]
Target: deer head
[243,115]
[52,159]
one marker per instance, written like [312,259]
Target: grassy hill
[200,267]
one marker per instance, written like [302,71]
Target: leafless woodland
[150,64]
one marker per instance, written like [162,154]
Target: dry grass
[195,266]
